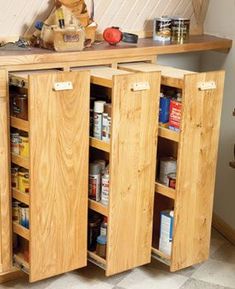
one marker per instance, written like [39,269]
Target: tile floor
[217,273]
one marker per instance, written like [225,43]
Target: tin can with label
[171,180]
[180,29]
[24,215]
[15,177]
[162,29]
[15,143]
[23,180]
[167,165]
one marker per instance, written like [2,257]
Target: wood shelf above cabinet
[94,258]
[20,161]
[20,230]
[168,134]
[98,207]
[19,123]
[165,191]
[19,196]
[99,144]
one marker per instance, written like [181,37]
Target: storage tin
[180,29]
[162,29]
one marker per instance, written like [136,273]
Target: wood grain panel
[59,142]
[132,171]
[5,204]
[196,167]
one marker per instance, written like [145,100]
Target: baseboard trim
[226,230]
[10,275]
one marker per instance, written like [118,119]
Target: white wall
[220,21]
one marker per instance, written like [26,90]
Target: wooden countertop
[145,47]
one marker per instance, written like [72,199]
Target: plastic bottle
[103,227]
[98,112]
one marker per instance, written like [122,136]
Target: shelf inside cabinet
[21,263]
[98,207]
[20,161]
[99,144]
[20,196]
[94,258]
[165,191]
[19,123]
[168,134]
[20,230]
[157,254]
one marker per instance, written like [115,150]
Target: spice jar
[15,143]
[23,180]
[15,211]
[14,177]
[101,246]
[24,144]
[19,107]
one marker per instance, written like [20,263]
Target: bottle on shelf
[98,115]
[105,187]
[94,181]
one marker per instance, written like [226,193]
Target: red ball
[112,35]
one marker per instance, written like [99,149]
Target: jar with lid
[19,106]
[24,144]
[15,177]
[15,143]
[101,246]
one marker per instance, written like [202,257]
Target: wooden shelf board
[98,207]
[20,230]
[99,144]
[96,258]
[19,259]
[20,161]
[165,191]
[19,123]
[161,254]
[20,196]
[168,134]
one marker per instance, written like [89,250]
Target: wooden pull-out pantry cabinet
[58,126]
[131,154]
[195,148]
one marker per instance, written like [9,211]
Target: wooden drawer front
[132,171]
[59,142]
[196,170]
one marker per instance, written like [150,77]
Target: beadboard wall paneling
[17,17]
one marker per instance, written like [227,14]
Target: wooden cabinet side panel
[59,143]
[5,195]
[132,171]
[197,159]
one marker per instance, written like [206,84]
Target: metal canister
[15,177]
[23,180]
[15,143]
[19,107]
[162,29]
[180,29]
[24,144]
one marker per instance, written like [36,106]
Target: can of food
[171,180]
[14,177]
[162,29]
[167,165]
[180,29]
[24,144]
[15,211]
[19,107]
[15,143]
[23,177]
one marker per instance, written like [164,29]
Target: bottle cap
[99,106]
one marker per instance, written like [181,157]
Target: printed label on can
[94,187]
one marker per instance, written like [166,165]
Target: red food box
[175,115]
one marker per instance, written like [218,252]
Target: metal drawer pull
[206,85]
[58,86]
[138,86]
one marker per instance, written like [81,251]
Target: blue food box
[164,109]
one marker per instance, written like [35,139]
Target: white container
[167,166]
[105,189]
[166,232]
[105,128]
[98,111]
